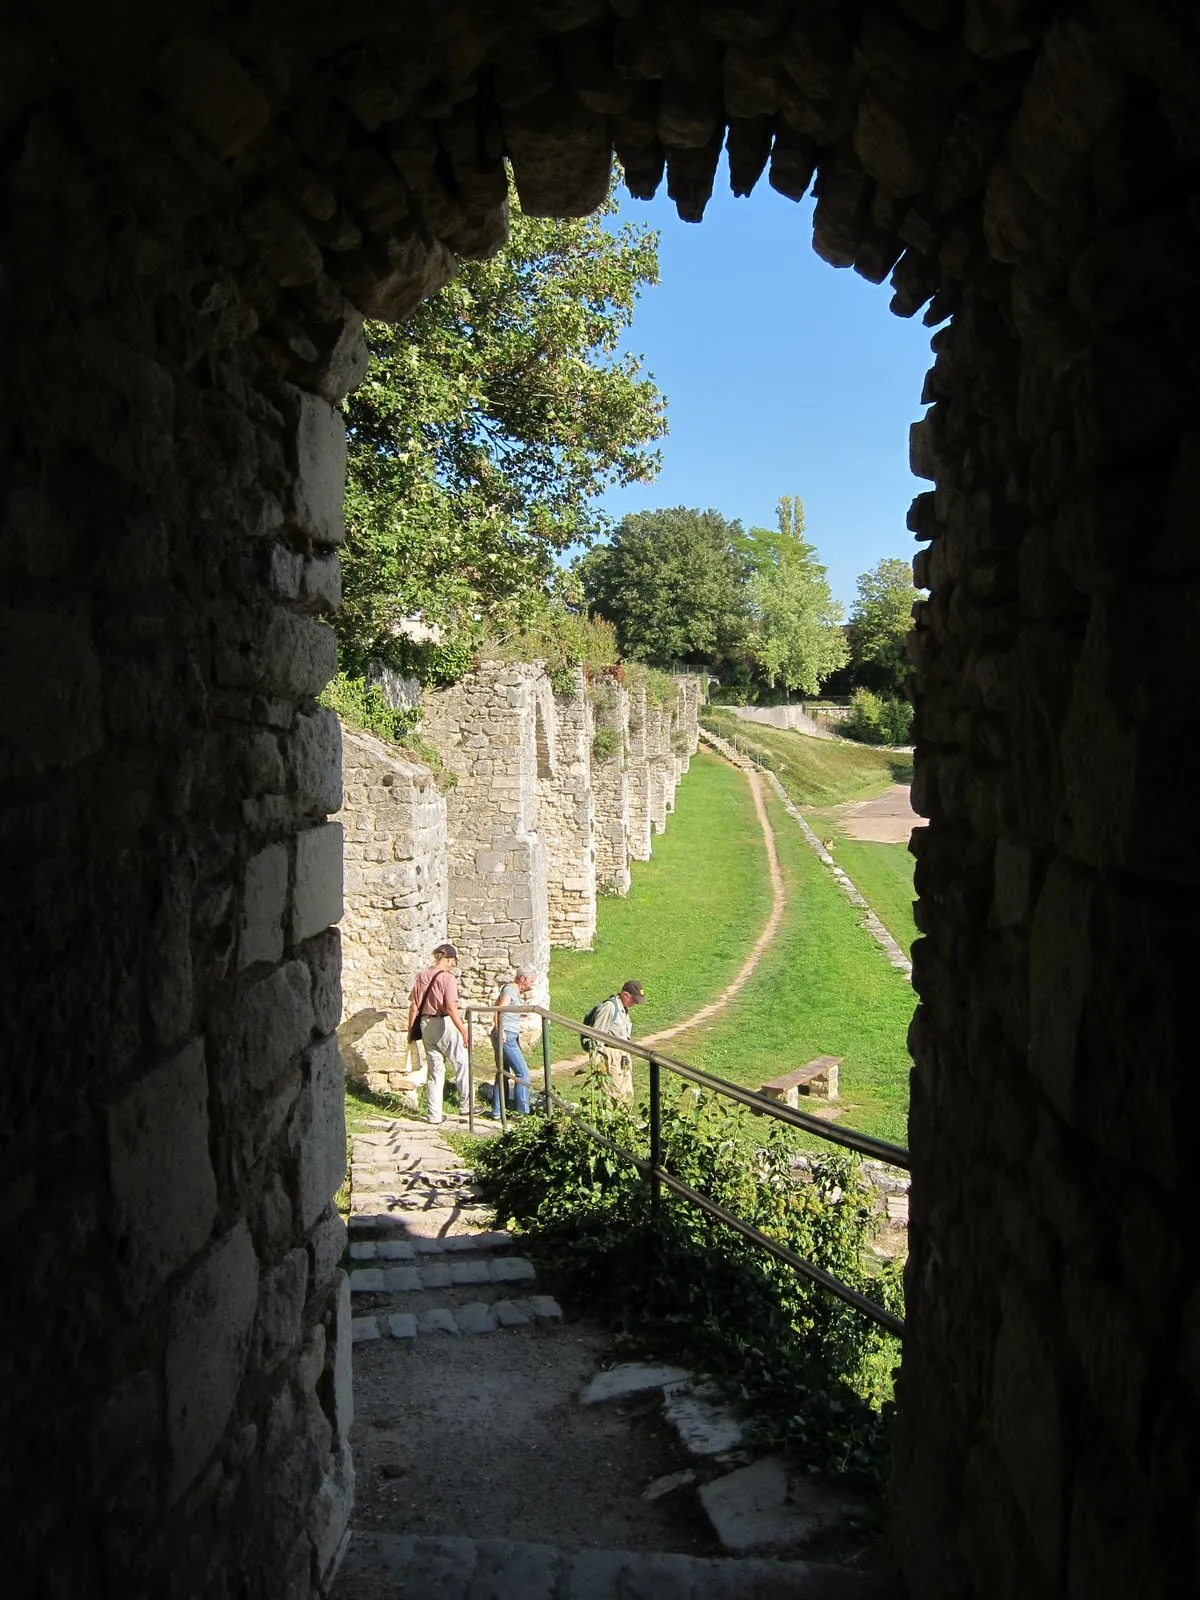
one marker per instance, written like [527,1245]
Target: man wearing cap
[433,1007]
[613,1017]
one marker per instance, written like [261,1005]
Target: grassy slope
[815,772]
[823,988]
[883,873]
[825,772]
[691,916]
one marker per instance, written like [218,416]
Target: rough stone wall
[568,823]
[610,791]
[637,766]
[1052,1366]
[491,732]
[394,825]
[175,1324]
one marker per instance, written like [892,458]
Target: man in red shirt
[434,1000]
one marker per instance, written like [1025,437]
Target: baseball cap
[633,988]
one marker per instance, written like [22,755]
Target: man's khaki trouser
[619,1069]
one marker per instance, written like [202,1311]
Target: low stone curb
[474,1317]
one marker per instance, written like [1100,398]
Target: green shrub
[818,1372]
[877,719]
[362,705]
[562,639]
[606,744]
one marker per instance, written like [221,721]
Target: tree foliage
[879,625]
[795,636]
[487,425]
[671,582]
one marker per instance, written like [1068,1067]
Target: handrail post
[499,1047]
[470,1074]
[655,1138]
[546,1059]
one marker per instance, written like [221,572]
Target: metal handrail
[880,1149]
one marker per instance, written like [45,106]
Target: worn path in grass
[822,988]
[770,928]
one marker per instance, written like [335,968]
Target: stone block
[320,468]
[513,1269]
[395,1250]
[401,1280]
[323,955]
[294,657]
[164,1189]
[363,1329]
[757,1511]
[705,1426]
[470,1271]
[509,1315]
[319,1132]
[321,583]
[281,1307]
[207,1338]
[264,896]
[329,1514]
[341,1384]
[402,1325]
[317,894]
[367,1280]
[271,1022]
[629,1379]
[475,1317]
[435,1275]
[315,759]
[437,1321]
[327,1241]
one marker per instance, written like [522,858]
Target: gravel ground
[484,1437]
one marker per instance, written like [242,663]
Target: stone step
[435,1223]
[383,1566]
[474,1316]
[450,1269]
[392,1250]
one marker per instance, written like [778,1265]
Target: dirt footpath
[484,1437]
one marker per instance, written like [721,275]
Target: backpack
[589,1018]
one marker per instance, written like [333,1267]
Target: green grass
[815,772]
[883,875]
[823,987]
[692,915]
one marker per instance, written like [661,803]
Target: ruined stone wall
[637,766]
[610,790]
[660,775]
[394,825]
[568,823]
[492,730]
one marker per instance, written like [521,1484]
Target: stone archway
[197,220]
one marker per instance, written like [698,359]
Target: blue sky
[782,376]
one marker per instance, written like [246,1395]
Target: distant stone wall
[495,731]
[638,768]
[394,825]
[661,771]
[568,823]
[610,790]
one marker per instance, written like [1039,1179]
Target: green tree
[879,627]
[671,582]
[796,636]
[487,425]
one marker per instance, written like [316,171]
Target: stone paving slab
[440,1272]
[383,1566]
[761,1509]
[631,1378]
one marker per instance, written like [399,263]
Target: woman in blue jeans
[516,1068]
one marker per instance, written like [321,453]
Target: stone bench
[819,1077]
